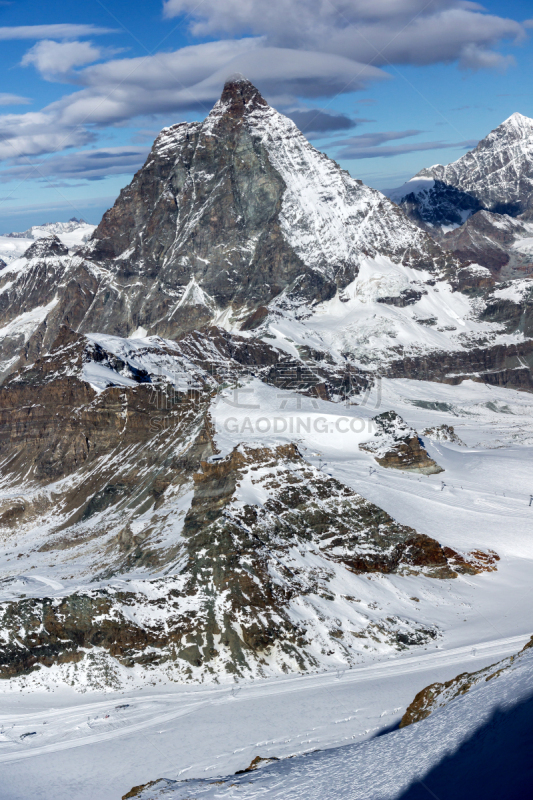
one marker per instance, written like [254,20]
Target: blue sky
[385,87]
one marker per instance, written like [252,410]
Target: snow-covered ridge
[51,228]
[73,233]
[328,217]
[496,175]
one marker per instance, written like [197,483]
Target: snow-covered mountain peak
[73,234]
[497,175]
[243,205]
[55,229]
[517,121]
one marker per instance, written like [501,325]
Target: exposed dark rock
[443,433]
[498,365]
[514,311]
[406,298]
[396,445]
[472,279]
[255,319]
[442,204]
[485,239]
[46,247]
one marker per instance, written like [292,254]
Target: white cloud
[171,83]
[61,31]
[370,31]
[13,100]
[38,132]
[375,145]
[55,60]
[291,49]
[475,58]
[87,164]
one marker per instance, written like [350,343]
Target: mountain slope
[179,539]
[238,221]
[479,745]
[73,233]
[496,176]
[499,242]
[236,210]
[112,482]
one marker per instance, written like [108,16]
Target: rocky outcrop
[246,565]
[443,433]
[396,445]
[434,204]
[438,695]
[472,279]
[497,365]
[46,247]
[487,239]
[511,304]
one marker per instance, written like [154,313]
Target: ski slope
[479,745]
[100,746]
[87,746]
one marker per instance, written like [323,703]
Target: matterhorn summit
[239,222]
[243,205]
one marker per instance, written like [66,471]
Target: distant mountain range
[73,234]
[49,228]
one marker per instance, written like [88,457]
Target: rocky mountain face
[167,556]
[479,209]
[225,217]
[498,242]
[239,260]
[496,176]
[232,212]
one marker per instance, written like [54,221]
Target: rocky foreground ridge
[438,695]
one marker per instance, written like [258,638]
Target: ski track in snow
[228,725]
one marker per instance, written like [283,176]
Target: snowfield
[477,746]
[101,743]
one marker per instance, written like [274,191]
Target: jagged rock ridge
[108,460]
